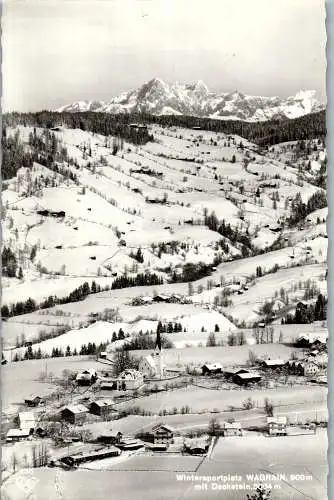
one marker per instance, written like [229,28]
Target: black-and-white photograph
[164,250]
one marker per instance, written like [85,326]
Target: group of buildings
[309,366]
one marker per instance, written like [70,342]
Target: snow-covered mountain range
[159,98]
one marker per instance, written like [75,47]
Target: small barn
[17,435]
[156,447]
[74,414]
[161,298]
[211,368]
[86,377]
[102,407]
[73,460]
[245,377]
[232,429]
[196,446]
[108,385]
[111,437]
[277,426]
[33,401]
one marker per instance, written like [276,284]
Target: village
[94,399]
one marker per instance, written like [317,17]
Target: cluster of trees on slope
[308,313]
[89,349]
[30,305]
[226,230]
[300,210]
[139,280]
[45,150]
[145,341]
[98,123]
[9,264]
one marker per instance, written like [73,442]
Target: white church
[152,366]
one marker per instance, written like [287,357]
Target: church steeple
[158,352]
[158,339]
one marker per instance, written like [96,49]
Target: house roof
[17,433]
[232,425]
[26,415]
[274,362]
[96,454]
[76,409]
[84,376]
[104,402]
[248,375]
[146,299]
[27,420]
[276,420]
[162,296]
[166,427]
[111,434]
[213,366]
[238,371]
[150,361]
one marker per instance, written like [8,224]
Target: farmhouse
[232,429]
[162,433]
[102,407]
[129,379]
[86,377]
[74,414]
[17,435]
[310,368]
[245,377]
[208,369]
[111,438]
[27,421]
[108,384]
[277,426]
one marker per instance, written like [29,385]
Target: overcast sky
[58,51]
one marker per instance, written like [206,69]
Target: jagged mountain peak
[158,97]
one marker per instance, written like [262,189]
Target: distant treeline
[262,133]
[98,123]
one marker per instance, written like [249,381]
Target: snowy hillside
[208,220]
